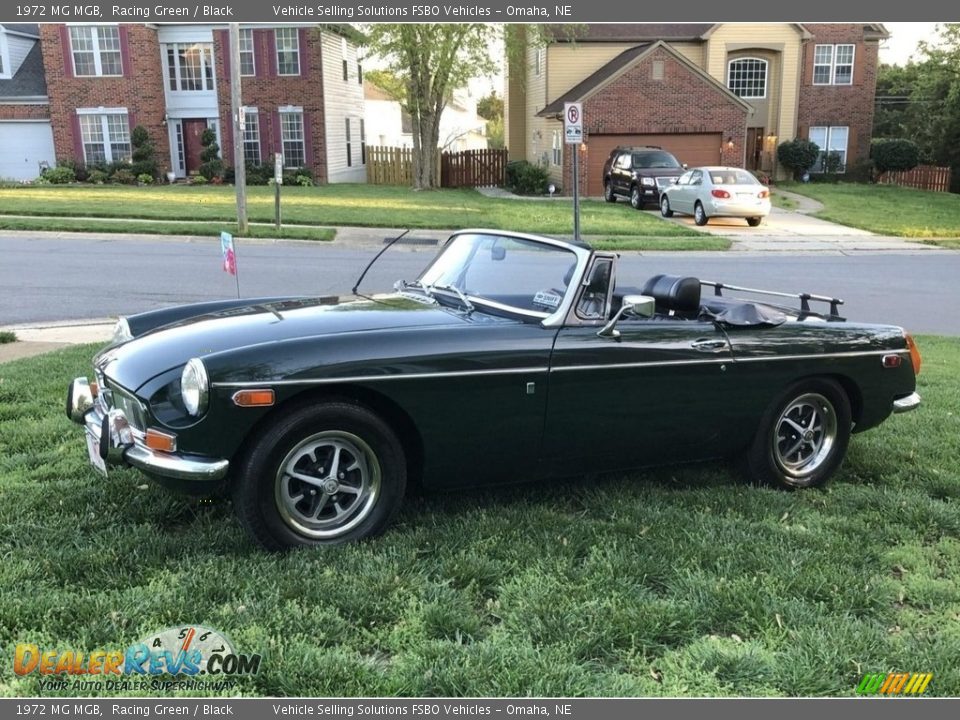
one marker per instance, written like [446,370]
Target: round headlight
[194,387]
[121,331]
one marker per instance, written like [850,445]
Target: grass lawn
[679,581]
[782,201]
[158,227]
[886,209]
[365,205]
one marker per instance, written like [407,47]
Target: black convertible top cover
[745,314]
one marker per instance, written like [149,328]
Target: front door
[754,148]
[192,145]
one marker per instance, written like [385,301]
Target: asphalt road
[59,279]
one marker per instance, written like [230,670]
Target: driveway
[780,223]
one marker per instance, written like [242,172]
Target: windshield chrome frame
[548,320]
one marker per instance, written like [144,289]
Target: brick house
[302,94]
[711,93]
[26,138]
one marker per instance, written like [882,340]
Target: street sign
[573,123]
[278,168]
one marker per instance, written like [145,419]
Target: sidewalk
[37,338]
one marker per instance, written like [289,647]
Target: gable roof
[29,81]
[31,30]
[627,32]
[619,65]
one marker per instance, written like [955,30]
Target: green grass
[157,227]
[679,581]
[649,244]
[363,205]
[886,209]
[782,201]
[7,336]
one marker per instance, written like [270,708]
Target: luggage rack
[805,298]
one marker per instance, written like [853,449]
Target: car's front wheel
[665,207]
[803,436]
[322,474]
[636,199]
[608,193]
[754,221]
[699,214]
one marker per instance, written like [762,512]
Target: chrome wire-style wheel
[327,484]
[805,436]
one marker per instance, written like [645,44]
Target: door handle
[713,346]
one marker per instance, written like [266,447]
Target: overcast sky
[903,41]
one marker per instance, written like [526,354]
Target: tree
[799,155]
[894,154]
[211,166]
[490,107]
[143,157]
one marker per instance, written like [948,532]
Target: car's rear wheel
[636,199]
[699,214]
[754,221]
[665,207]
[803,436]
[322,474]
[608,193]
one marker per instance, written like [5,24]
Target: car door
[691,192]
[675,192]
[621,174]
[659,392]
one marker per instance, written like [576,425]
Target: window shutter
[131,122]
[304,50]
[260,60]
[77,138]
[125,51]
[307,142]
[277,134]
[227,53]
[67,54]
[271,53]
[265,140]
[226,151]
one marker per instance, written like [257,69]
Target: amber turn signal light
[253,398]
[94,390]
[158,440]
[914,353]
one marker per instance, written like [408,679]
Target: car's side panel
[659,392]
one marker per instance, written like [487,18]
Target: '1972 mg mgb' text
[511,357]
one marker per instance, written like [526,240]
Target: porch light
[729,143]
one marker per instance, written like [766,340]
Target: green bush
[798,155]
[79,170]
[298,176]
[890,154]
[525,178]
[198,180]
[123,176]
[98,177]
[143,157]
[211,165]
[145,179]
[60,175]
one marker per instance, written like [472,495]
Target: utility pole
[236,110]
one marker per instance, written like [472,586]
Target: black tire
[608,194]
[699,214]
[765,461]
[665,207]
[636,198]
[370,456]
[754,222]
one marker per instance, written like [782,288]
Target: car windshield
[655,159]
[516,274]
[732,177]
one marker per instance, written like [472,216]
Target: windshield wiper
[454,289]
[402,285]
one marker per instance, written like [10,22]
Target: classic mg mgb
[511,357]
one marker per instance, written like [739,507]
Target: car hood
[137,361]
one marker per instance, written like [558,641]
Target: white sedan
[707,192]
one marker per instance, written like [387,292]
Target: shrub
[894,154]
[798,155]
[123,176]
[98,177]
[143,158]
[211,165]
[198,180]
[145,179]
[60,175]
[525,178]
[79,170]
[298,176]
[832,162]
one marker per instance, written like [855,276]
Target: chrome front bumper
[120,443]
[906,404]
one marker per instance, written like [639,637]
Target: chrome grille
[663,182]
[116,397]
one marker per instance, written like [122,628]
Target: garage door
[693,149]
[23,146]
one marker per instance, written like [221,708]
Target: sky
[903,41]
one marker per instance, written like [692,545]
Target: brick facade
[140,89]
[841,105]
[684,101]
[268,91]
[25,111]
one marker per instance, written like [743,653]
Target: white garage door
[23,146]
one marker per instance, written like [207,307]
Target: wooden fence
[470,168]
[922,177]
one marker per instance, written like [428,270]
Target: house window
[248,61]
[251,136]
[105,136]
[830,140]
[288,51]
[363,143]
[181,151]
[833,64]
[557,148]
[4,57]
[349,154]
[747,77]
[359,73]
[96,50]
[346,71]
[538,61]
[294,144]
[190,67]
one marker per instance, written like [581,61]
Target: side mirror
[634,305]
[685,166]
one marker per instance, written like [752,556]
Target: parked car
[708,192]
[640,174]
[510,357]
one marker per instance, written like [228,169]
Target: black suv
[639,173]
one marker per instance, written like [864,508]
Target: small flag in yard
[229,256]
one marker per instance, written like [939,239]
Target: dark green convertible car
[511,357]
